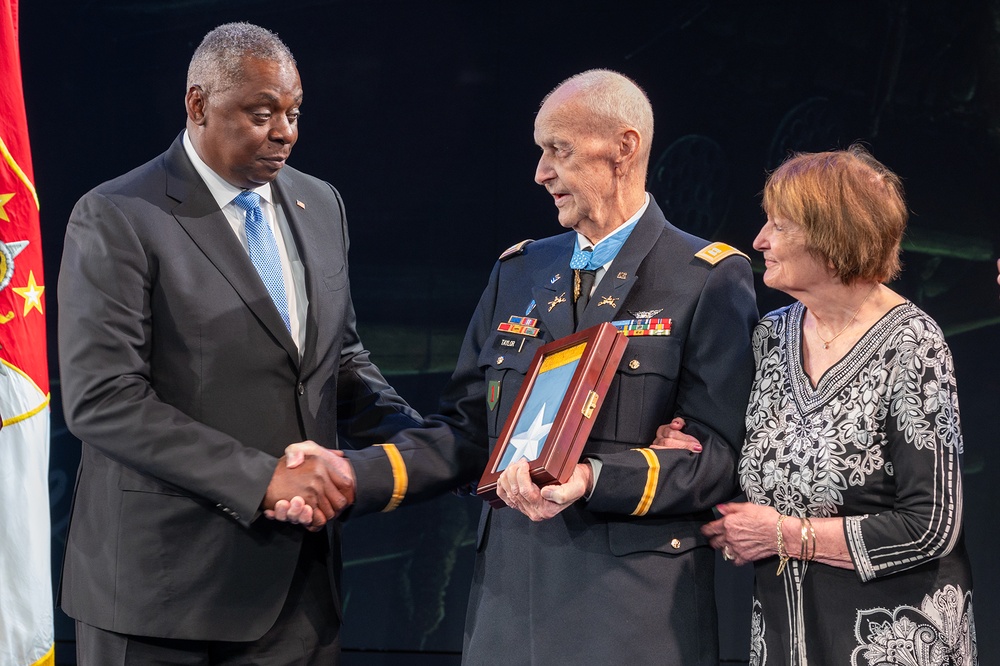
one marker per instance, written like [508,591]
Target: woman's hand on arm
[747,532]
[670,436]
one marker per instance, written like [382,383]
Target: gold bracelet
[807,555]
[804,536]
[782,553]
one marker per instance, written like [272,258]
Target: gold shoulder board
[515,249]
[716,252]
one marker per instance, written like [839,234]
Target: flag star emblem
[528,444]
[32,294]
[7,253]
[4,198]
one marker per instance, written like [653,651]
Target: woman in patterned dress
[851,462]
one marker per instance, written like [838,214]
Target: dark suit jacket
[598,584]
[184,385]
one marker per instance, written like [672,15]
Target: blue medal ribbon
[605,251]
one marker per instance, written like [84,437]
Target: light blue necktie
[264,252]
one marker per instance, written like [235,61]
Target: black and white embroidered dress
[877,441]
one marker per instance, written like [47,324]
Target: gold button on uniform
[676,543]
[499,360]
[634,364]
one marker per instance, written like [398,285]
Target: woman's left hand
[669,436]
[745,533]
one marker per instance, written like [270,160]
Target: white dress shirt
[292,270]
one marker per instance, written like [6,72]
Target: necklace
[826,343]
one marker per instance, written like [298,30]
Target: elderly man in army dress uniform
[610,567]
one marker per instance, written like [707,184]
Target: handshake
[313,484]
[310,486]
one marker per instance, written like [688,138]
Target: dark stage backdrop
[421,114]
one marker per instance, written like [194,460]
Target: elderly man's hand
[297,510]
[518,491]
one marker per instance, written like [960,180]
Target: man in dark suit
[205,324]
[610,567]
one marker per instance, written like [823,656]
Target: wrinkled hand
[518,491]
[745,533]
[297,512]
[337,495]
[669,436]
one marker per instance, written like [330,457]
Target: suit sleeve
[106,285]
[450,449]
[713,386]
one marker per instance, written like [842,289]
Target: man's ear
[628,148]
[195,102]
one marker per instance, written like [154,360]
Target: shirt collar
[582,242]
[222,191]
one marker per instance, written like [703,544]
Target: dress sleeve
[923,443]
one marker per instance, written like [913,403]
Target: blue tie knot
[247,200]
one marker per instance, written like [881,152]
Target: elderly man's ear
[628,148]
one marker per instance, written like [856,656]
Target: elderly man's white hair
[616,101]
[217,63]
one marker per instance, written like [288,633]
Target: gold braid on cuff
[399,478]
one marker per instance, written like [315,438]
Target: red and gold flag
[25,576]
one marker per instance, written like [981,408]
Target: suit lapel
[621,277]
[553,292]
[306,228]
[198,213]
